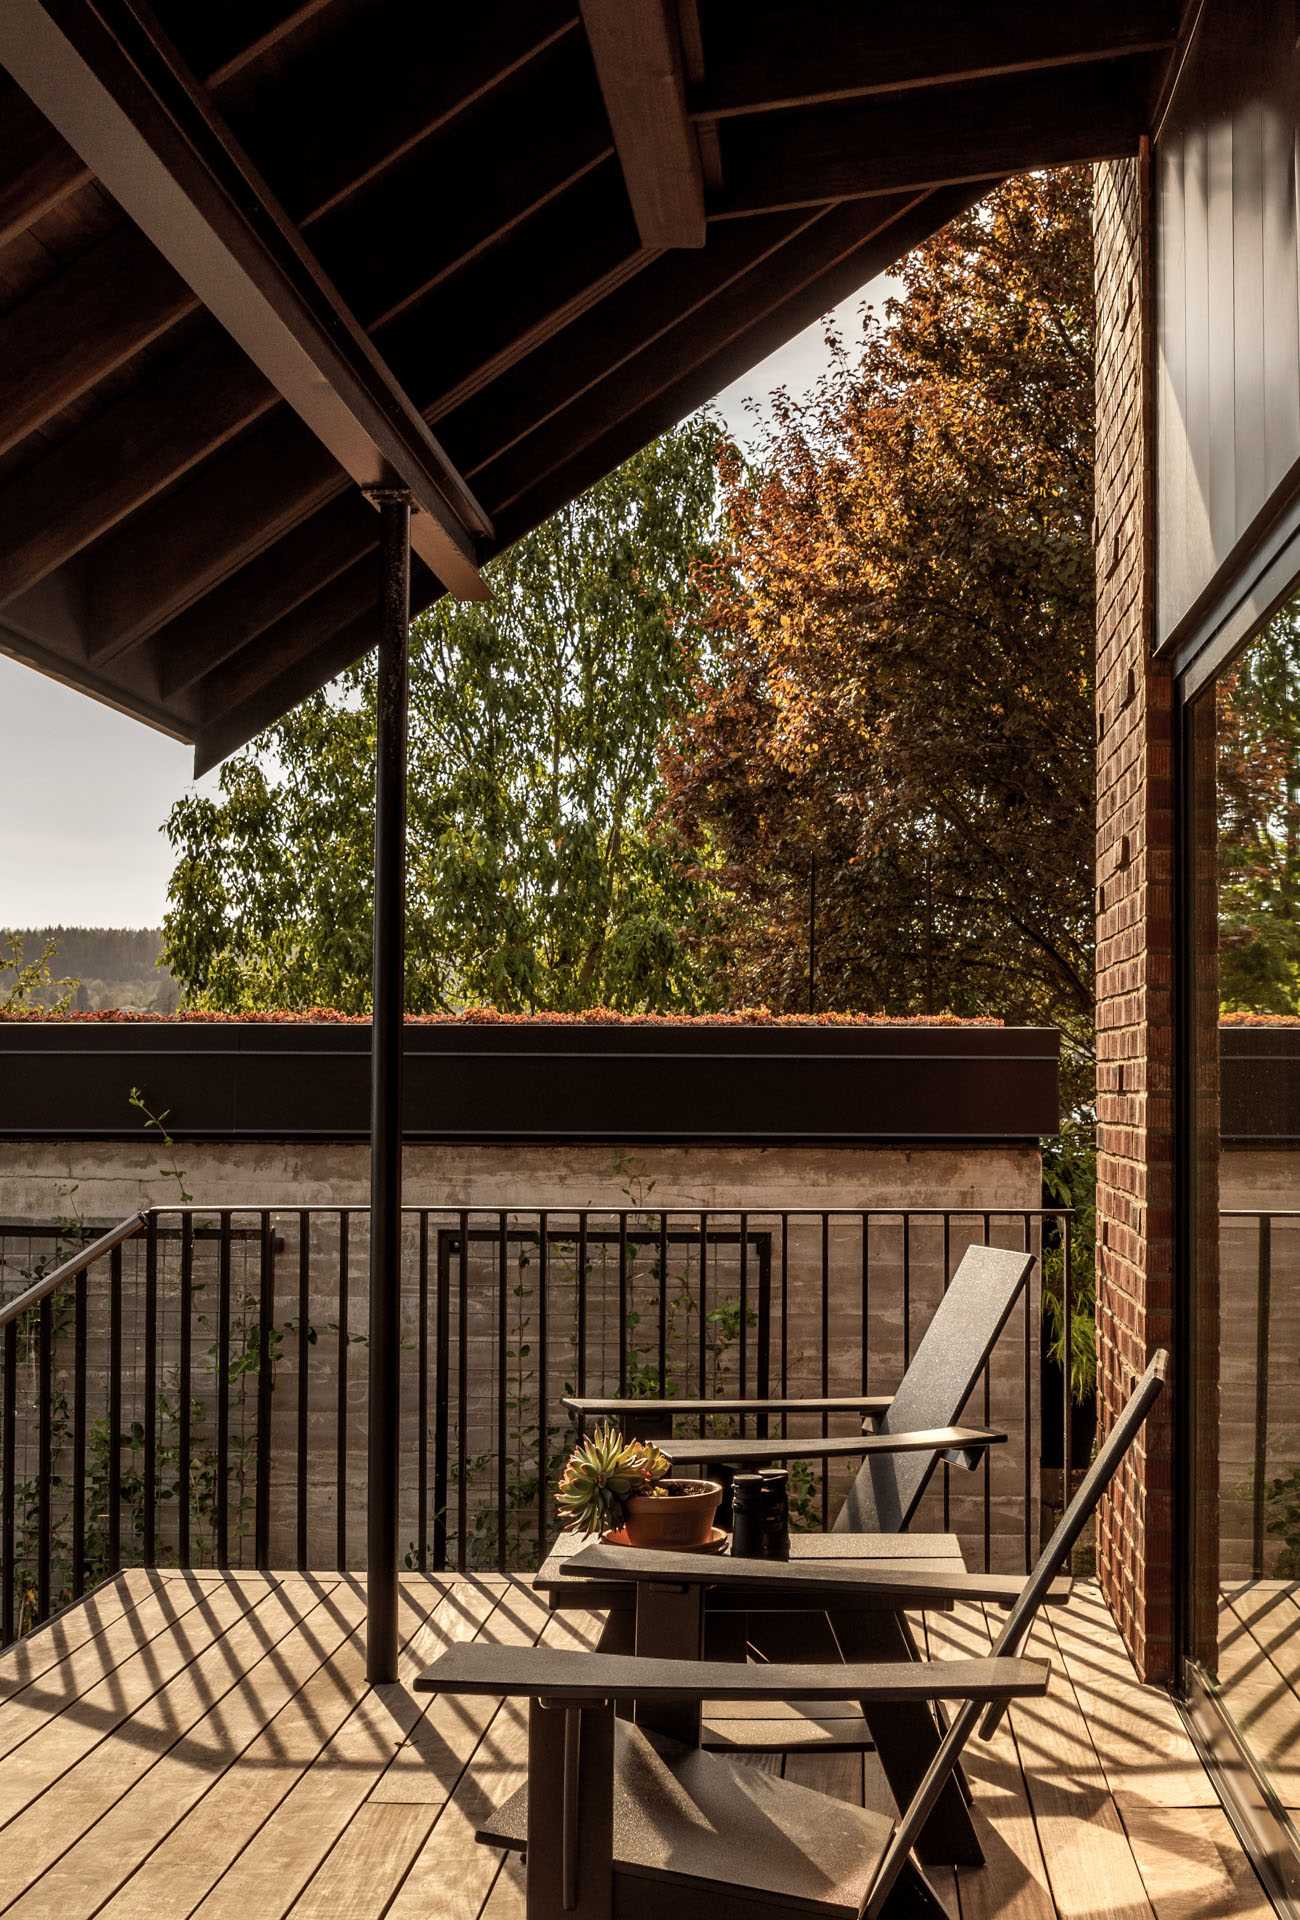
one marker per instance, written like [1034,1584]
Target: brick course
[1134,928]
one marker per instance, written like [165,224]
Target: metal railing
[182,1389]
[1268,1483]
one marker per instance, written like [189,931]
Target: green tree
[1258,756]
[903,613]
[541,876]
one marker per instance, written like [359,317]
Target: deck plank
[68,1732]
[222,1755]
[452,1875]
[278,1861]
[51,1645]
[111,1810]
[1013,1883]
[172,1880]
[1090,1865]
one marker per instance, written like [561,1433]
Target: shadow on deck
[202,1743]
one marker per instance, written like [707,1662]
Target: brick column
[1134,928]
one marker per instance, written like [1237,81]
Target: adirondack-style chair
[623,1818]
[904,1434]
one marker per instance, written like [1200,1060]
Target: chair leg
[570,1870]
[907,1740]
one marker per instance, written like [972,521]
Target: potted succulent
[613,1485]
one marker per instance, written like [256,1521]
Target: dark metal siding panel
[1228,318]
[484,1083]
[1259,1086]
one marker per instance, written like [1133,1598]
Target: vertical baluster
[1067,1354]
[115,1409]
[1031,1454]
[663,1304]
[622,1305]
[422,1397]
[582,1302]
[704,1315]
[441,1397]
[265,1332]
[304,1380]
[826,1358]
[341,1420]
[543,1281]
[45,1454]
[764,1356]
[785,1319]
[866,1302]
[947,1275]
[151,1391]
[79,1431]
[1263,1342]
[185,1392]
[743,1370]
[503,1436]
[8,1485]
[462,1398]
[988,1464]
[907,1291]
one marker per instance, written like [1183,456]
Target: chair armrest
[872,1406]
[727,1450]
[819,1583]
[533,1672]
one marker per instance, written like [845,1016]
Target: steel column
[386,1086]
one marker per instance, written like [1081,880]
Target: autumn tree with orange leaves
[902,626]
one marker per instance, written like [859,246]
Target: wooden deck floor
[204,1744]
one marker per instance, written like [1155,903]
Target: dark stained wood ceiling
[517,239]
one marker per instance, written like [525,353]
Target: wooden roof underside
[489,251]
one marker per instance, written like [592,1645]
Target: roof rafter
[823,51]
[154,141]
[638,57]
[902,144]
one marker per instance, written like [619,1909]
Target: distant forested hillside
[113,966]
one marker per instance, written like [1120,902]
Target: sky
[84,791]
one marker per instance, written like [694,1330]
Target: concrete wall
[819,1284]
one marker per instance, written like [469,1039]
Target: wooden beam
[662,300]
[180,546]
[638,57]
[225,733]
[76,329]
[506,302]
[716,362]
[351,594]
[244,605]
[719,357]
[125,455]
[823,51]
[840,234]
[909,143]
[136,576]
[37,169]
[152,139]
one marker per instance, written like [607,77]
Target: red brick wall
[1134,929]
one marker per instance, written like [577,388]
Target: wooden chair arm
[585,1407]
[728,1451]
[563,1675]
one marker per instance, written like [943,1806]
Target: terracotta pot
[682,1518]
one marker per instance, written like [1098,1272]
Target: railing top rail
[1259,1213]
[69,1269]
[997,1210]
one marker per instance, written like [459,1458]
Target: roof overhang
[257,258]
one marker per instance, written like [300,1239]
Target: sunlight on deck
[206,1744]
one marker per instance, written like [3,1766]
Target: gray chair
[904,1434]
[618,1818]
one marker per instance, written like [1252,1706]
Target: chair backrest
[1021,1618]
[936,1386]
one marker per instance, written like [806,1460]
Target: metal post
[386,1086]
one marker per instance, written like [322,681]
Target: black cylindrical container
[748,1517]
[776,1514]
